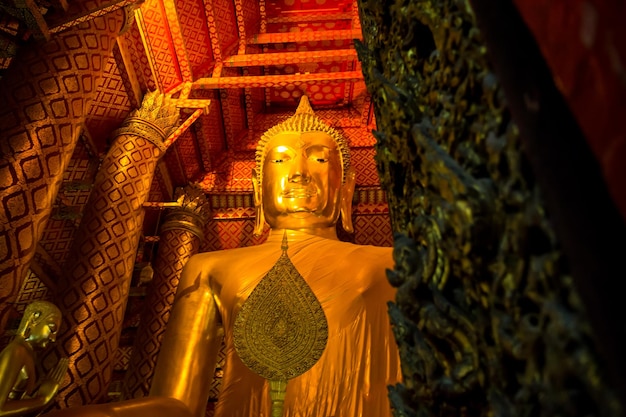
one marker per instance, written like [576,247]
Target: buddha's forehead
[52,318]
[299,140]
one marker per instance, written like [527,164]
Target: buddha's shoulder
[357,249]
[229,255]
[16,352]
[361,256]
[351,253]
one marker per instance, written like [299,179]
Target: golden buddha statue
[302,183]
[18,380]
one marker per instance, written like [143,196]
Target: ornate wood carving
[487,318]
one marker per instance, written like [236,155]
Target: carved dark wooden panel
[487,317]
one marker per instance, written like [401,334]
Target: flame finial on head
[305,106]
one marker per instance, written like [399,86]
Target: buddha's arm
[21,407]
[138,407]
[186,363]
[9,370]
[46,393]
[12,359]
[189,351]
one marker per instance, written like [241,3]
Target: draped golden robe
[360,360]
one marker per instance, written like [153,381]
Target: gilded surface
[360,360]
[304,120]
[180,238]
[281,330]
[193,213]
[303,178]
[22,390]
[486,316]
[154,120]
[302,191]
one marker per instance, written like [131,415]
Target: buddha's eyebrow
[317,147]
[281,148]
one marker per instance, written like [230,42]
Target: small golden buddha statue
[18,380]
[303,183]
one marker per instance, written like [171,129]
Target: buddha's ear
[26,326]
[259,218]
[347,192]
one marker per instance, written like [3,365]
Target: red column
[180,238]
[44,99]
[92,294]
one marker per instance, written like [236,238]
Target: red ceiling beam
[285,58]
[263,14]
[306,18]
[176,33]
[241,26]
[311,36]
[276,80]
[213,32]
[62,21]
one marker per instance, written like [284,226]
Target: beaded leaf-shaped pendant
[281,330]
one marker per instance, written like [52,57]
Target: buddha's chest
[339,291]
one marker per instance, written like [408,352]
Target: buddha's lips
[298,193]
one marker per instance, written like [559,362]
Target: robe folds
[360,359]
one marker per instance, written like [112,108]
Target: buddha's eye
[279,155]
[319,154]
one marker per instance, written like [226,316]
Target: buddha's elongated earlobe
[259,218]
[25,328]
[347,192]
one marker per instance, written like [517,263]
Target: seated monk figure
[20,391]
[302,184]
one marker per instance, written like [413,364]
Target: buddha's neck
[22,340]
[297,234]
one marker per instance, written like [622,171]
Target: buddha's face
[45,331]
[302,177]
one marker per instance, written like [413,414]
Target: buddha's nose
[299,172]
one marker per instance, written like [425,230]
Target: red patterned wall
[276,7]
[161,45]
[189,156]
[229,234]
[234,116]
[251,16]
[141,66]
[109,108]
[226,25]
[175,166]
[195,32]
[211,133]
